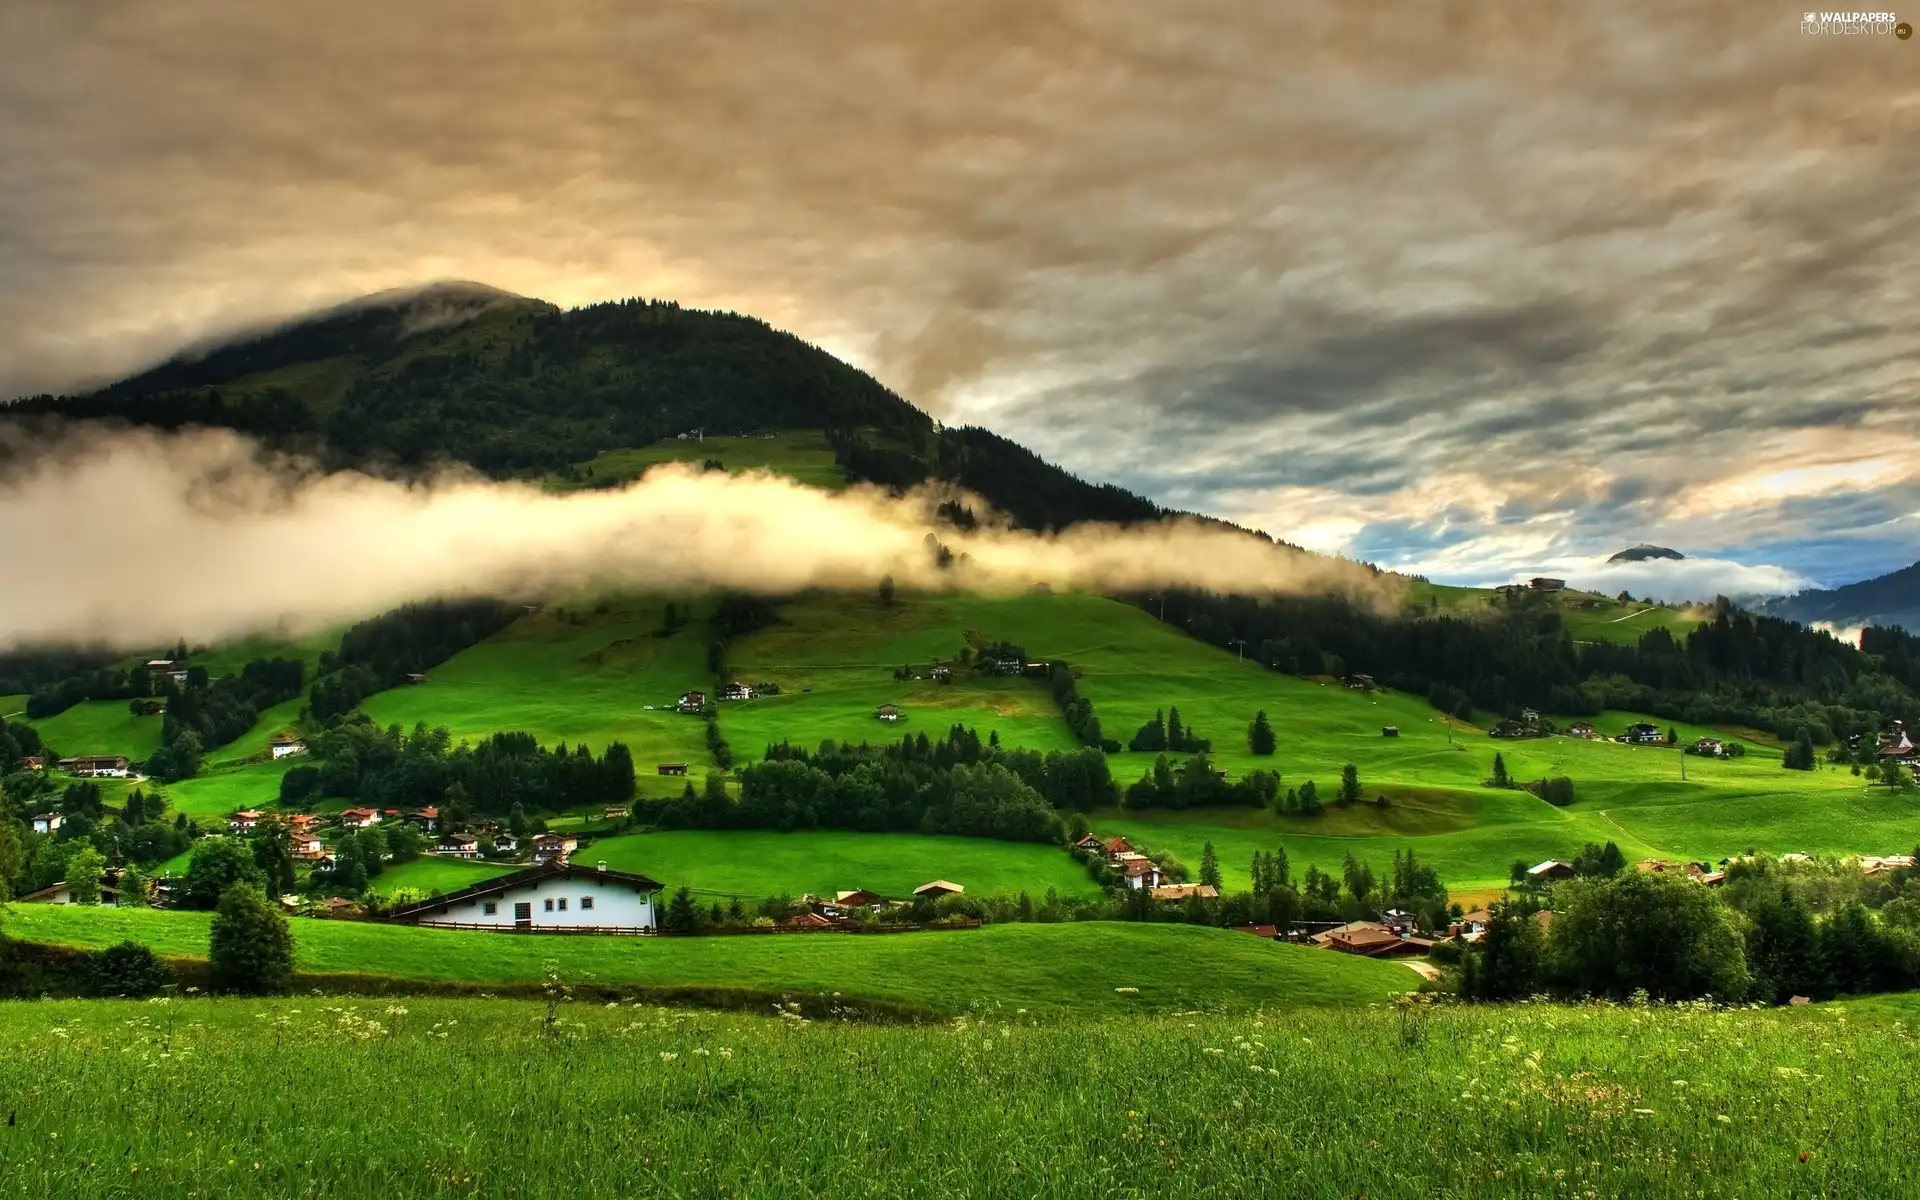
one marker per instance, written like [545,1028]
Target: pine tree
[1260,739]
[1209,867]
[1176,736]
[682,916]
[1279,873]
[1349,784]
[1500,777]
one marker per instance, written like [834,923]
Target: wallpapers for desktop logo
[1855,24]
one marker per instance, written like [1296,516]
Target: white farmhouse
[286,746]
[552,896]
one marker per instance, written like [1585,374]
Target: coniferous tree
[1500,777]
[1349,784]
[1209,867]
[1260,739]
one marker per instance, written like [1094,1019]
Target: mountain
[1643,552]
[515,386]
[1891,599]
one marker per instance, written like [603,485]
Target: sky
[1477,290]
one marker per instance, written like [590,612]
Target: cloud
[1578,276]
[1682,580]
[145,537]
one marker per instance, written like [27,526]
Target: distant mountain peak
[1645,551]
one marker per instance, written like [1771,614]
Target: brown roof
[1265,931]
[937,885]
[811,921]
[539,874]
[1118,844]
[1138,866]
[1180,891]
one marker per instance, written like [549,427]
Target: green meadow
[449,1097]
[1043,968]
[431,874]
[101,727]
[754,864]
[592,677]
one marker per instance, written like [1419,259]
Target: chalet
[33,762]
[47,823]
[505,843]
[859,898]
[692,702]
[358,818]
[1653,866]
[1360,683]
[552,897]
[1898,745]
[414,677]
[1370,939]
[427,820]
[1876,865]
[1708,748]
[1090,844]
[307,847]
[1137,871]
[812,922]
[245,821]
[60,893]
[458,845]
[614,812]
[1116,846]
[1580,729]
[1398,920]
[1184,891]
[1006,666]
[1541,583]
[937,889]
[1389,731]
[1529,716]
[672,768]
[554,847]
[1713,878]
[1550,870]
[1470,925]
[738,691]
[887,712]
[301,822]
[173,668]
[98,766]
[943,674]
[1641,733]
[286,746]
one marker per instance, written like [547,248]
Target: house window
[586,904]
[549,904]
[489,907]
[563,904]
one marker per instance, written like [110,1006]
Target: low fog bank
[135,537]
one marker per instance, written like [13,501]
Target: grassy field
[1044,968]
[472,1097]
[220,791]
[14,705]
[101,727]
[560,681]
[1588,616]
[758,864]
[433,874]
[802,455]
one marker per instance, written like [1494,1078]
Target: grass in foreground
[316,1097]
[1054,968]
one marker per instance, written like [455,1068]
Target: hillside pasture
[755,864]
[588,678]
[431,873]
[100,727]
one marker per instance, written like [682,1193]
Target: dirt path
[1424,970]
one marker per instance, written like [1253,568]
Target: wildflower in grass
[702,1051]
[1645,1112]
[1724,1119]
[668,1056]
[1128,991]
[1211,1050]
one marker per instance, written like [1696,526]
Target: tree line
[1736,668]
[957,785]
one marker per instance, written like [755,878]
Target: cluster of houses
[1136,870]
[173,668]
[1898,746]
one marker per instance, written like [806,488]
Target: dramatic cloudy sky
[1474,288]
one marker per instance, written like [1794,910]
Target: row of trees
[1767,934]
[1165,732]
[385,768]
[958,785]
